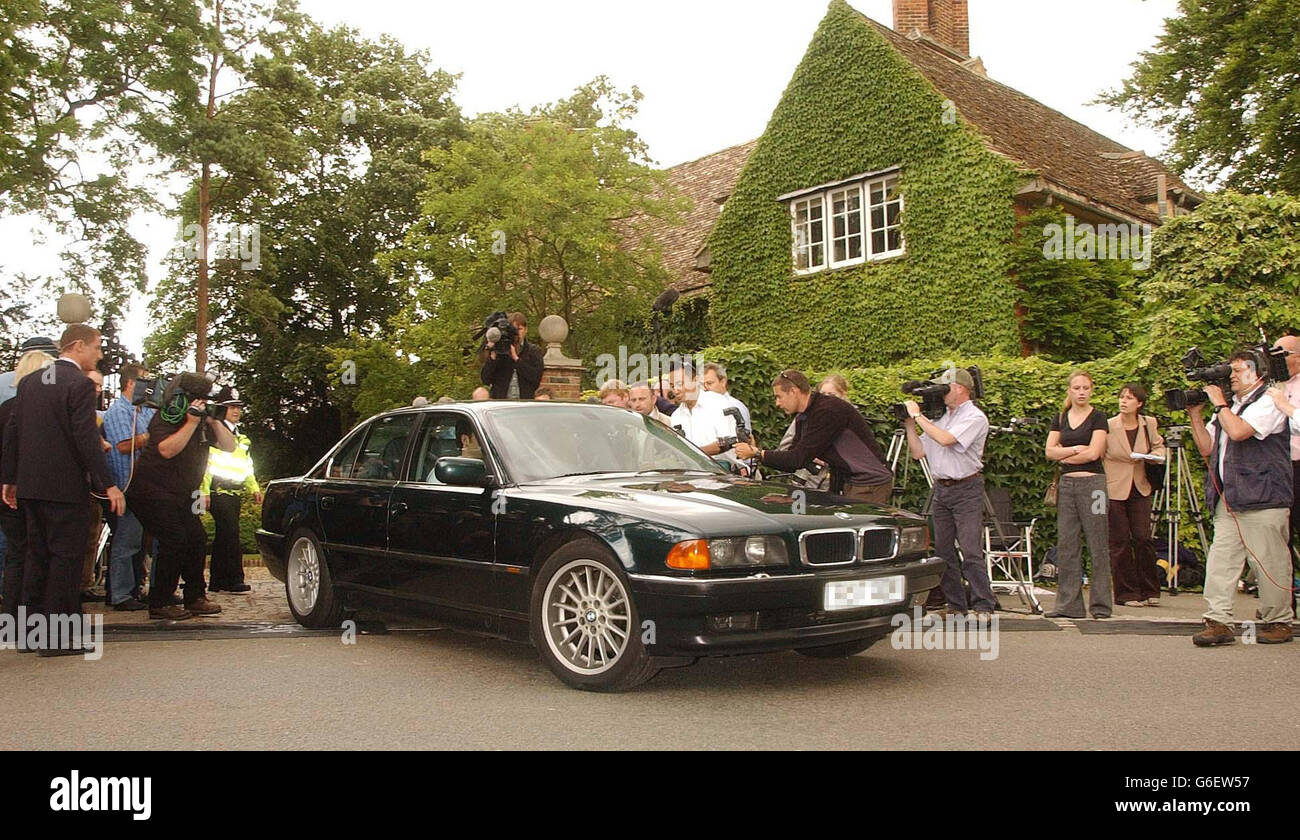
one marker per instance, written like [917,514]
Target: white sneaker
[1135,603]
[1153,602]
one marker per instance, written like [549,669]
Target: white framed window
[847,223]
[808,217]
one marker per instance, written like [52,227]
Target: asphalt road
[1061,689]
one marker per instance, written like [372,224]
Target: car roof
[480,407]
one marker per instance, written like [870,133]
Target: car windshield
[549,441]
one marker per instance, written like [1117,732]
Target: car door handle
[397,508]
[327,501]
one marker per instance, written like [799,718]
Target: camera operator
[1249,488]
[515,371]
[834,431]
[954,447]
[165,497]
[700,415]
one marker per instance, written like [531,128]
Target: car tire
[584,621]
[838,651]
[309,586]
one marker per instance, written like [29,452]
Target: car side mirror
[461,472]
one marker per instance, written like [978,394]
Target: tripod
[1168,504]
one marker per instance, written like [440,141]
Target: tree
[337,187]
[1070,308]
[1221,275]
[1221,81]
[535,212]
[73,76]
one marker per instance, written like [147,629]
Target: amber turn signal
[692,554]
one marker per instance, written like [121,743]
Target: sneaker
[130,605]
[170,613]
[1135,603]
[1154,601]
[1273,633]
[203,607]
[1214,634]
[944,612]
[1100,616]
[1055,614]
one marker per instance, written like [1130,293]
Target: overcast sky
[711,70]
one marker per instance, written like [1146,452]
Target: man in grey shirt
[954,447]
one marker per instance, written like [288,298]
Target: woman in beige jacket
[1132,554]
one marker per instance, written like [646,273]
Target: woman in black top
[1077,442]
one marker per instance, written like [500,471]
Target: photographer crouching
[832,430]
[165,495]
[1249,488]
[954,447]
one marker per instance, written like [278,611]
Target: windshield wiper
[674,470]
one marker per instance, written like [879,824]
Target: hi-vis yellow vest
[230,468]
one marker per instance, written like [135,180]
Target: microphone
[665,300]
[492,336]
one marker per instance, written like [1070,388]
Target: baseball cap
[955,376]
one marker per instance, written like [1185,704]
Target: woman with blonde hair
[12,520]
[1077,442]
[834,385]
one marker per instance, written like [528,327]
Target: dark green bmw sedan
[612,545]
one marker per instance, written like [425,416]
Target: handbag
[1049,498]
[1155,472]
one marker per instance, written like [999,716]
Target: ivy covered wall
[856,105]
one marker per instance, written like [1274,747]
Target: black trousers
[56,549]
[182,546]
[14,524]
[227,559]
[1295,505]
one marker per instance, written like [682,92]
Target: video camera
[172,395]
[1270,363]
[930,394]
[742,431]
[497,329]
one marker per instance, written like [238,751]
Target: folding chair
[1009,547]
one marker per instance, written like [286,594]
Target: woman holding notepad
[1132,442]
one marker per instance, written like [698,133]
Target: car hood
[715,505]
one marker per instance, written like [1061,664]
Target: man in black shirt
[165,496]
[513,372]
[833,430]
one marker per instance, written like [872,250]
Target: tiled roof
[705,181]
[1066,153]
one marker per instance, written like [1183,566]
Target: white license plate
[853,594]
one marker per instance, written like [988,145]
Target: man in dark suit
[52,460]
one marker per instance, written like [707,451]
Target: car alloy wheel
[588,617]
[308,584]
[584,621]
[303,575]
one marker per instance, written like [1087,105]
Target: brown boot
[203,607]
[1214,634]
[1274,633]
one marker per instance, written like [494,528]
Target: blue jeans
[127,535]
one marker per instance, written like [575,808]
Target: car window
[340,466]
[442,436]
[380,458]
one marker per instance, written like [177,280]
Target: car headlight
[915,540]
[746,552]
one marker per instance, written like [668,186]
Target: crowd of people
[153,471]
[70,469]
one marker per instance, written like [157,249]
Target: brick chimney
[946,21]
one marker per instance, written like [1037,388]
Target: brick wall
[946,21]
[565,383]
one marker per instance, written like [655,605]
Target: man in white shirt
[1287,395]
[700,415]
[1249,490]
[713,377]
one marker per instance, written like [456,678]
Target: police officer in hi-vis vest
[228,474]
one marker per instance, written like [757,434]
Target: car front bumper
[732,616]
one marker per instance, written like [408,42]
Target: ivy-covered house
[871,220]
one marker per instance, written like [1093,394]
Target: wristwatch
[1219,408]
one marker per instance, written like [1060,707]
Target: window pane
[381,456]
[877,218]
[895,239]
[878,242]
[893,209]
[341,465]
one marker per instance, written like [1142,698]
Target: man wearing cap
[227,476]
[954,447]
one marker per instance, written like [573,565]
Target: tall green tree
[337,185]
[1222,81]
[541,211]
[74,75]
